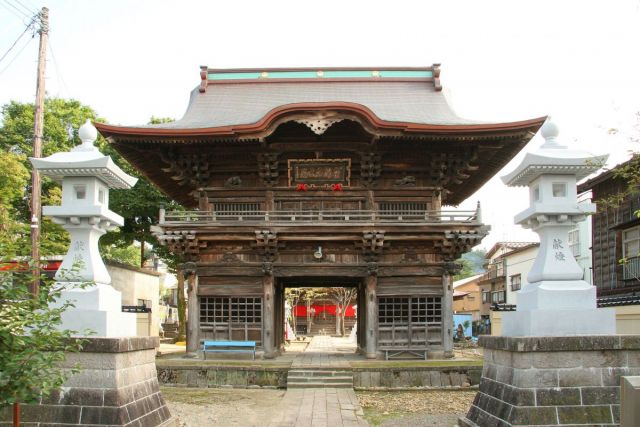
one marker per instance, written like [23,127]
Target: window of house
[498,297]
[144,303]
[574,242]
[631,242]
[486,297]
[516,282]
[559,189]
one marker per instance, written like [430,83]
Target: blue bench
[229,347]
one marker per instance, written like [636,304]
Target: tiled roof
[508,247]
[466,280]
[232,104]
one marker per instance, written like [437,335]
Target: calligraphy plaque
[319,172]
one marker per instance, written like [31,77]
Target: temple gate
[332,177]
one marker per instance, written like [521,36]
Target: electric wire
[16,56]
[29,25]
[24,15]
[13,12]
[29,10]
[59,76]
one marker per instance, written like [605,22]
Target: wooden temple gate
[322,178]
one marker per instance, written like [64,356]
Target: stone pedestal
[97,308]
[116,386]
[553,380]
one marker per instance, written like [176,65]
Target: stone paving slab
[326,351]
[320,407]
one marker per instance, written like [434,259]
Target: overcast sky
[501,60]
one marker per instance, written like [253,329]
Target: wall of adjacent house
[584,258]
[519,262]
[469,303]
[138,284]
[627,320]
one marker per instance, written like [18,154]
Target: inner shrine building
[321,177]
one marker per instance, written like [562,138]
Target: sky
[501,61]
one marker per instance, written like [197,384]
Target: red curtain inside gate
[316,310]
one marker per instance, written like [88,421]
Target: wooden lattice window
[235,209]
[230,310]
[396,310]
[396,208]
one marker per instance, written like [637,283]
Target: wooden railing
[289,217]
[495,270]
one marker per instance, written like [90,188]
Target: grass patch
[376,417]
[414,363]
[207,396]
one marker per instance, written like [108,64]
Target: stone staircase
[319,378]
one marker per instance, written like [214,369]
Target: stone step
[319,373]
[319,385]
[326,380]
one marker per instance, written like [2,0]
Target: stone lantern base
[117,386]
[553,380]
[97,308]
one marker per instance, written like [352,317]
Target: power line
[61,80]
[16,56]
[24,15]
[30,25]
[28,10]
[12,12]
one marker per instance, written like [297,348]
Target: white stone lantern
[556,301]
[86,176]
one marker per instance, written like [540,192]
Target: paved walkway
[321,407]
[326,351]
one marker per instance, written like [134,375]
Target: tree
[309,296]
[140,208]
[61,117]
[129,255]
[31,341]
[294,297]
[13,178]
[472,264]
[342,297]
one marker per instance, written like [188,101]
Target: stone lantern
[86,176]
[556,301]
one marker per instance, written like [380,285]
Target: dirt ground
[202,407]
[249,407]
[415,408]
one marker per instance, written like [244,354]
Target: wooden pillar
[268,321]
[371,329]
[193,311]
[447,313]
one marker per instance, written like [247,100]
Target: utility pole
[36,205]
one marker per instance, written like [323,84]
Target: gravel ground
[197,407]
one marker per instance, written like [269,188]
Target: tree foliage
[140,207]
[472,264]
[62,118]
[31,341]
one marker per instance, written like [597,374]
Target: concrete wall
[627,320]
[469,303]
[520,262]
[138,284]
